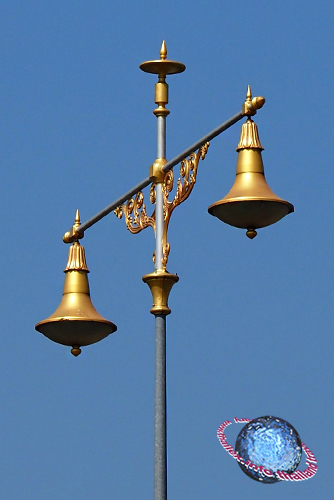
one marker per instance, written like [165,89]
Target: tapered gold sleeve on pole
[160,283]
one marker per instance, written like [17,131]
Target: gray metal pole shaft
[159,200]
[160,412]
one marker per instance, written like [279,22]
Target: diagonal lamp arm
[77,232]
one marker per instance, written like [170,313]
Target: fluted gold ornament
[76,259]
[249,137]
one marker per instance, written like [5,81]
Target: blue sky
[250,332]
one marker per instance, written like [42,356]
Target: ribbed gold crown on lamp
[76,322]
[250,204]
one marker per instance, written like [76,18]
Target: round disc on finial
[251,233]
[162,66]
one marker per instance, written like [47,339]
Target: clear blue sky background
[251,329]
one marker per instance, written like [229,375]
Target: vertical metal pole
[161,137]
[160,414]
[159,209]
[160,423]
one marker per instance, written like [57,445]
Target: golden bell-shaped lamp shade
[76,322]
[250,204]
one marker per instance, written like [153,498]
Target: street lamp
[250,205]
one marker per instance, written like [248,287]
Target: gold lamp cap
[250,204]
[162,66]
[76,322]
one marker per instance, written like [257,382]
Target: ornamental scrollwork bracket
[185,185]
[135,214]
[134,210]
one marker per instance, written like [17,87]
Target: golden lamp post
[249,205]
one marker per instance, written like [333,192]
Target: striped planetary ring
[261,470]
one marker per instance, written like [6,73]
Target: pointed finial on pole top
[249,93]
[162,66]
[163,51]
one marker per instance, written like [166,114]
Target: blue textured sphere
[271,442]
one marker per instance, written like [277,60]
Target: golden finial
[163,51]
[76,350]
[251,233]
[77,219]
[250,105]
[162,66]
[73,235]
